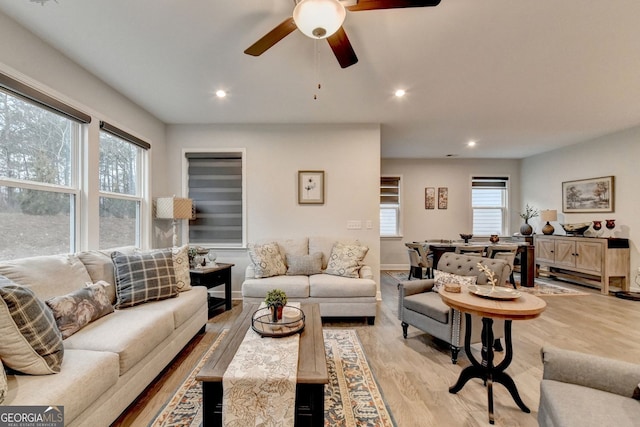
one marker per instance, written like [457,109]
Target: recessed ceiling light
[471,144]
[400,93]
[220,93]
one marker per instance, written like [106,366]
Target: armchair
[581,390]
[421,308]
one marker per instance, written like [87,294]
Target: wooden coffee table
[312,369]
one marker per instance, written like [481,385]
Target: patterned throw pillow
[180,257]
[346,260]
[4,387]
[76,310]
[143,277]
[30,341]
[267,260]
[440,278]
[304,265]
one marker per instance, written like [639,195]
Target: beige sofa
[109,362]
[337,296]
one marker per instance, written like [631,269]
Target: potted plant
[529,212]
[276,299]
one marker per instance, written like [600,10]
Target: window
[489,203]
[120,181]
[390,206]
[216,185]
[39,172]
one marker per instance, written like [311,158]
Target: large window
[489,199]
[121,195]
[38,174]
[390,206]
[216,185]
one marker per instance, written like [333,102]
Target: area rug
[542,287]
[351,399]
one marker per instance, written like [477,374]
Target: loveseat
[420,306]
[581,390]
[323,270]
[108,362]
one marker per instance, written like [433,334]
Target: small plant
[529,212]
[276,297]
[491,276]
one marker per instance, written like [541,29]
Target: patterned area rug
[542,287]
[351,399]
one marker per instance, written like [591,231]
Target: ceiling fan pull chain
[315,56]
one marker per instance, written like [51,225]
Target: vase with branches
[529,212]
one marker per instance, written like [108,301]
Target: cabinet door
[545,249]
[589,256]
[565,251]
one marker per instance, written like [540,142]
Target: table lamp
[174,208]
[548,215]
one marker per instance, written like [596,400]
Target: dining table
[525,251]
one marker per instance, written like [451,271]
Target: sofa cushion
[430,304]
[441,278]
[3,383]
[79,308]
[132,334]
[143,277]
[47,276]
[182,307]
[304,264]
[267,260]
[329,286]
[30,341]
[293,286]
[570,405]
[346,260]
[84,377]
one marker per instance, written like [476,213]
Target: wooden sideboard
[591,260]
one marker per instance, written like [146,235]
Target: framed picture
[443,197]
[588,195]
[311,187]
[430,198]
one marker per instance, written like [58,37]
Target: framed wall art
[443,197]
[430,198]
[311,187]
[588,195]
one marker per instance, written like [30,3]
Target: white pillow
[346,260]
[441,278]
[267,260]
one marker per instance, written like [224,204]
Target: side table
[212,276]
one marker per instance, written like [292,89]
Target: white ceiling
[519,76]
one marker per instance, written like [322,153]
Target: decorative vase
[494,238]
[597,225]
[526,229]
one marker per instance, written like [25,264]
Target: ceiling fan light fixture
[319,19]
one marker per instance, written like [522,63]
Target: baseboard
[392,267]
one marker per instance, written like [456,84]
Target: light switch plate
[354,224]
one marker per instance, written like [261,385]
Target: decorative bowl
[577,229]
[466,237]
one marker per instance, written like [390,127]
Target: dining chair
[507,253]
[471,249]
[426,257]
[415,266]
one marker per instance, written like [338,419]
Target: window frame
[185,193]
[504,208]
[398,208]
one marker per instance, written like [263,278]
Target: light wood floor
[415,374]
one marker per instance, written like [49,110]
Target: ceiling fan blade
[285,28]
[390,4]
[342,49]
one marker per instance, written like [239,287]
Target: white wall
[420,223]
[29,59]
[616,154]
[349,155]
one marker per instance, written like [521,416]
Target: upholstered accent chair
[419,306]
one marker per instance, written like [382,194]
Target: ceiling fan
[320,19]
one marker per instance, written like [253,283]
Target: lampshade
[173,208]
[549,215]
[319,19]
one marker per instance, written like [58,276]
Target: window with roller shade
[489,200]
[216,185]
[390,206]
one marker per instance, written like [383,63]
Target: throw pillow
[346,260]
[267,260]
[76,310]
[180,258]
[30,341]
[305,265]
[143,277]
[441,277]
[4,387]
